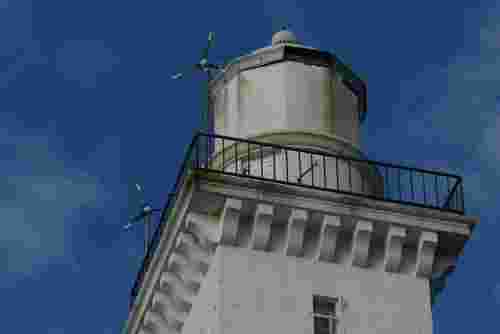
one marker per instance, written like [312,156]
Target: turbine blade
[137,218]
[210,44]
[211,37]
[204,54]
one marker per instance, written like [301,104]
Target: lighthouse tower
[278,223]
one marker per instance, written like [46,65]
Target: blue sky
[87,109]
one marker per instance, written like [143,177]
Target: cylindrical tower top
[291,94]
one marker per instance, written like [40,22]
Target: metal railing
[310,169]
[328,172]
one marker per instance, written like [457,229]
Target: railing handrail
[338,156]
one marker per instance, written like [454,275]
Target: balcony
[313,169]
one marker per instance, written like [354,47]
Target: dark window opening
[325,315]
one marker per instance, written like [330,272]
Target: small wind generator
[144,216]
[211,70]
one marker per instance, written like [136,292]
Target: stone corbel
[146,330]
[186,245]
[156,321]
[327,241]
[204,227]
[394,248]
[229,220]
[161,298]
[179,263]
[261,232]
[361,243]
[176,285]
[168,308]
[295,232]
[175,319]
[427,244]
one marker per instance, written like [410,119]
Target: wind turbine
[144,216]
[209,68]
[203,64]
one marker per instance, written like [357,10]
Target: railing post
[452,195]
[248,158]
[208,152]
[447,190]
[337,170]
[324,172]
[286,163]
[462,209]
[350,181]
[236,157]
[423,185]
[386,181]
[274,163]
[300,168]
[399,184]
[223,156]
[411,186]
[361,176]
[436,190]
[261,162]
[312,170]
[197,152]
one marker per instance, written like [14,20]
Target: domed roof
[284,36]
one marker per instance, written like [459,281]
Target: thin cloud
[457,106]
[496,293]
[40,199]
[28,55]
[18,49]
[82,61]
[491,142]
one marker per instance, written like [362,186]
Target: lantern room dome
[284,36]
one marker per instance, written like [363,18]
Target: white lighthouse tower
[278,224]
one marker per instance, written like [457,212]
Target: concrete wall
[308,97]
[286,96]
[233,102]
[262,100]
[346,123]
[270,293]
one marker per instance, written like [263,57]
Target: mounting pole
[147,219]
[210,115]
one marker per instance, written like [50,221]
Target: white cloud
[40,199]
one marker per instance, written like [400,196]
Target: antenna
[144,216]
